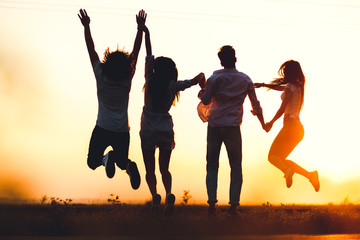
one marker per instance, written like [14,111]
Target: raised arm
[85,20]
[140,20]
[147,42]
[143,28]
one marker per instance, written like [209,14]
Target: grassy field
[115,219]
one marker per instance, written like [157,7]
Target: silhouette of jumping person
[161,91]
[113,80]
[226,90]
[291,82]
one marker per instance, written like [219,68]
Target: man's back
[227,88]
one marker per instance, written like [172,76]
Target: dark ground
[136,220]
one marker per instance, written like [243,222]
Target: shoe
[109,164]
[134,175]
[169,204]
[314,180]
[156,199]
[212,210]
[232,210]
[289,173]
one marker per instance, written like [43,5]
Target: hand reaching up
[84,18]
[141,18]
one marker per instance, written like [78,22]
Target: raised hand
[84,18]
[141,17]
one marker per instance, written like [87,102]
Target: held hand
[197,79]
[143,28]
[258,85]
[84,18]
[267,127]
[141,17]
[202,81]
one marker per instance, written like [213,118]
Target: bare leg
[278,162]
[149,160]
[313,177]
[164,160]
[297,169]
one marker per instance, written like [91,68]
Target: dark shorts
[101,139]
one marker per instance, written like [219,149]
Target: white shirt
[113,99]
[227,89]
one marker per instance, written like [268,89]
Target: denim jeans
[231,137]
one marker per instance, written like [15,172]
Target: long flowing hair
[291,72]
[164,71]
[118,65]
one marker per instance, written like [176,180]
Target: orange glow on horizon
[49,107]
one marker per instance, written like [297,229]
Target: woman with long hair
[291,82]
[161,91]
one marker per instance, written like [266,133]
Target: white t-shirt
[113,99]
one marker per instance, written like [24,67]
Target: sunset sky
[49,107]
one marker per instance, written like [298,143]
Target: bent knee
[92,163]
[273,159]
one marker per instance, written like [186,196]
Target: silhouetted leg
[149,161]
[232,141]
[120,144]
[164,160]
[214,142]
[297,169]
[285,142]
[278,162]
[98,143]
[278,150]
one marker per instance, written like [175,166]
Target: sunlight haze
[49,105]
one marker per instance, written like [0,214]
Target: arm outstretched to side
[270,86]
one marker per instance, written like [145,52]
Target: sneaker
[289,173]
[212,210]
[314,180]
[156,199]
[169,204]
[134,175]
[109,164]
